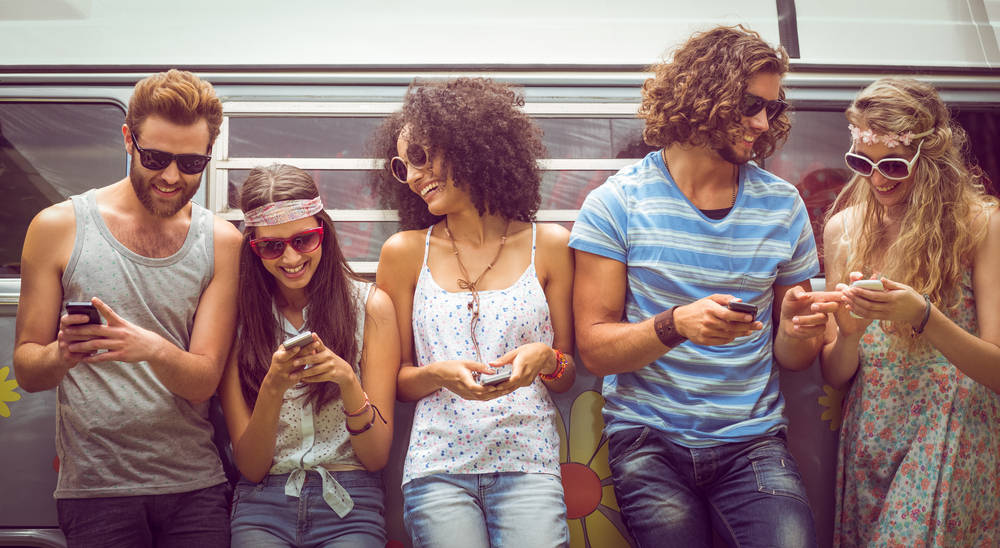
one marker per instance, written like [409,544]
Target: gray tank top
[119,430]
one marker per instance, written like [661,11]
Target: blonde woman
[920,442]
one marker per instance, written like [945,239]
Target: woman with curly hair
[302,418]
[920,343]
[483,296]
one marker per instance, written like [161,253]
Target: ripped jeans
[750,493]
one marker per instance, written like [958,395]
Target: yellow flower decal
[834,402]
[592,512]
[7,392]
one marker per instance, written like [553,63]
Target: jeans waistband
[314,479]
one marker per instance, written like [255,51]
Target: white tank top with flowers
[513,433]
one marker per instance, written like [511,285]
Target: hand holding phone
[86,308]
[494,379]
[745,308]
[296,341]
[871,285]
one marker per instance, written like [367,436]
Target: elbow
[376,464]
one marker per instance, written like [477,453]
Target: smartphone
[86,308]
[494,379]
[295,341]
[872,285]
[737,306]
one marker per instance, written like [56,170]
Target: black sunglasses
[416,156]
[752,104]
[157,159]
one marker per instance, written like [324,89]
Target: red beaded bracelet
[561,362]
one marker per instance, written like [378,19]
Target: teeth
[424,191]
[164,189]
[885,188]
[295,269]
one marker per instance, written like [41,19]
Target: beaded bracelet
[561,362]
[927,315]
[368,425]
[360,409]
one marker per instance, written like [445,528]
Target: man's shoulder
[225,232]
[54,219]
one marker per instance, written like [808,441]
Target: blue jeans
[750,493]
[508,509]
[192,519]
[264,516]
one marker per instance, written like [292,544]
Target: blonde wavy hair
[947,209]
[695,98]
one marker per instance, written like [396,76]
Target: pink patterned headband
[285,211]
[892,141]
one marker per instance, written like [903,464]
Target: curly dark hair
[694,99]
[489,144]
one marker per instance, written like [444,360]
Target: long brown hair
[331,294]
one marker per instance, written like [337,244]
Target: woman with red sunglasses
[311,424]
[919,348]
[483,295]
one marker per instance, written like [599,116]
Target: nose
[759,121]
[171,174]
[289,255]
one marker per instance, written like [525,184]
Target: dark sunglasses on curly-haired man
[751,104]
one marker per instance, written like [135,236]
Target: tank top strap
[427,246]
[534,234]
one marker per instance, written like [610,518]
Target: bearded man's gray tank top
[119,430]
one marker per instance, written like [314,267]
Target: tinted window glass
[48,152]
[300,137]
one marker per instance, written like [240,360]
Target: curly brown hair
[490,146]
[694,99]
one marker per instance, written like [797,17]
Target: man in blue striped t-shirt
[693,410]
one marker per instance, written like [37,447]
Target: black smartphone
[86,308]
[296,341]
[494,379]
[744,307]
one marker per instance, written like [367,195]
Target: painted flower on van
[833,401]
[592,512]
[7,392]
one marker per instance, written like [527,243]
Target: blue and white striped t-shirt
[699,395]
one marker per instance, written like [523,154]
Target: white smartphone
[871,285]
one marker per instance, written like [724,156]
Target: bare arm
[398,268]
[839,356]
[41,346]
[609,346]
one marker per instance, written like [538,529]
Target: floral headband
[892,141]
[284,211]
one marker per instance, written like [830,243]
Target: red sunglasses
[304,242]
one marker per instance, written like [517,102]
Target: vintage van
[306,82]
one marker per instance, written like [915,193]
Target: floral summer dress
[919,456]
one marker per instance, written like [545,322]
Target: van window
[48,152]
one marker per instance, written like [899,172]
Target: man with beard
[137,466]
[693,411]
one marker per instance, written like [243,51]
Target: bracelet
[360,409]
[663,323]
[927,315]
[561,363]
[367,425]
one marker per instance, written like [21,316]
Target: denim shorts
[194,519]
[750,493]
[507,509]
[264,516]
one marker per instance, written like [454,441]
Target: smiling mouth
[166,190]
[886,188]
[427,189]
[294,270]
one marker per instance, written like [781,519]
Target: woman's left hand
[324,365]
[526,362]
[898,303]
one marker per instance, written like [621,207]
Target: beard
[730,154]
[161,207]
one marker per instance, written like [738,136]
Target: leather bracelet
[368,425]
[927,315]
[360,409]
[561,362]
[663,323]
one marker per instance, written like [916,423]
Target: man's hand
[804,313]
[709,322]
[123,341]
